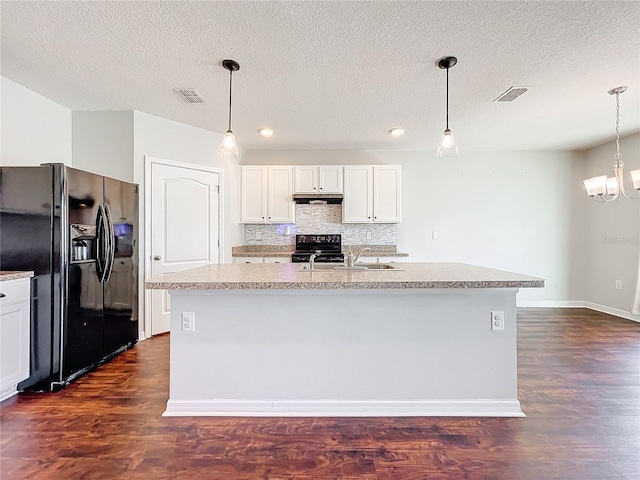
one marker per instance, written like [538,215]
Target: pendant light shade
[229,147]
[447,147]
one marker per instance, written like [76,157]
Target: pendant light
[447,147]
[603,189]
[229,147]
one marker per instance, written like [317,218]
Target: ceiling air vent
[511,94]
[189,95]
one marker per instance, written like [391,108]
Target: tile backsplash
[320,219]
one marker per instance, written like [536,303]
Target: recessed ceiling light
[266,132]
[396,131]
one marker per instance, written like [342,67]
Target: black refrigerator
[78,233]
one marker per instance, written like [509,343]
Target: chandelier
[608,189]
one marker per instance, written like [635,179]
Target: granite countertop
[287,276]
[14,275]
[287,250]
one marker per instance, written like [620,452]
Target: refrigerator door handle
[101,241]
[111,243]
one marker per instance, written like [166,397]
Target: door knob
[156,258]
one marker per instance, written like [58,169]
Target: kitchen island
[271,340]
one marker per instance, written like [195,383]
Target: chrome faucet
[312,261]
[351,260]
[366,249]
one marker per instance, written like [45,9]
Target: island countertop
[11,275]
[288,276]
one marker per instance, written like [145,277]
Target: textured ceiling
[338,75]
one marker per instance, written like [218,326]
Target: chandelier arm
[619,173]
[605,197]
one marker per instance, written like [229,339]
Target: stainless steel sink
[357,267]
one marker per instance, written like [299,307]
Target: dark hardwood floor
[579,383]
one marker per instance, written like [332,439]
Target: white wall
[34,129]
[613,231]
[162,138]
[517,211]
[103,143]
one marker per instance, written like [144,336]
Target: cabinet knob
[156,258]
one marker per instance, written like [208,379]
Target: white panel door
[185,230]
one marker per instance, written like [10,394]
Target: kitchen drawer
[15,291]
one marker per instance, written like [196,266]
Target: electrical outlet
[368,235]
[434,235]
[618,284]
[497,320]
[258,236]
[188,321]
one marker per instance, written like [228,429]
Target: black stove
[327,248]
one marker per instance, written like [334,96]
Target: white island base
[351,352]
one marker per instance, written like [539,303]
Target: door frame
[148,163]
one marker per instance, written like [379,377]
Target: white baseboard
[613,311]
[340,408]
[579,304]
[551,304]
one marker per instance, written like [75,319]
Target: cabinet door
[306,179]
[277,259]
[247,260]
[386,194]
[281,206]
[330,178]
[254,194]
[15,327]
[356,206]
[392,259]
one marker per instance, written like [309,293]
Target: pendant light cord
[230,79]
[447,98]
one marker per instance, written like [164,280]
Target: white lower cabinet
[277,259]
[15,331]
[261,259]
[248,260]
[391,259]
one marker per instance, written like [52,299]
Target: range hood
[318,198]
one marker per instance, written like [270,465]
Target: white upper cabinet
[387,194]
[358,193]
[280,206]
[267,194]
[254,194]
[372,194]
[318,179]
